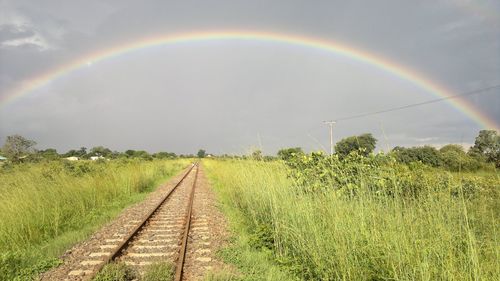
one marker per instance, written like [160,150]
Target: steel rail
[118,249]
[179,269]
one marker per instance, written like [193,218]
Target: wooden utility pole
[331,123]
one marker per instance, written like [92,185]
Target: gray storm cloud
[230,96]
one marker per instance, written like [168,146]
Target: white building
[72,158]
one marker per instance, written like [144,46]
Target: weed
[116,272]
[161,271]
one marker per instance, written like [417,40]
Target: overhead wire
[469,93]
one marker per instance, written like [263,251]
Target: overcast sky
[234,96]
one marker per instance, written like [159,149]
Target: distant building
[72,158]
[94,158]
[2,158]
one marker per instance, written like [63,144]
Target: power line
[475,92]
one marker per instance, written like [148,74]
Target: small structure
[72,158]
[2,158]
[94,158]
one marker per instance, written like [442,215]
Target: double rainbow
[392,68]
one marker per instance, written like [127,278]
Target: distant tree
[257,154]
[269,158]
[49,153]
[82,152]
[452,147]
[487,147]
[116,154]
[454,158]
[201,153]
[130,153]
[365,144]
[17,147]
[165,155]
[288,153]
[71,153]
[100,151]
[143,155]
[426,154]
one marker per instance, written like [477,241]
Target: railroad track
[163,234]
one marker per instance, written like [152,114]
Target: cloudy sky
[232,96]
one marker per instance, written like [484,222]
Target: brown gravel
[160,239]
[207,235]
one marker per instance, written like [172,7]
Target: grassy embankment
[47,207]
[448,231]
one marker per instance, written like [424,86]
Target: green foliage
[100,151]
[140,154]
[221,276]
[23,266]
[201,153]
[451,157]
[317,172]
[289,153]
[49,154]
[425,154]
[454,158]
[257,155]
[164,155]
[116,272]
[382,221]
[487,146]
[45,207]
[16,147]
[364,144]
[81,153]
[160,271]
[262,237]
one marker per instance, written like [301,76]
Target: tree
[257,155]
[100,151]
[49,153]
[289,153]
[130,152]
[487,146]
[453,157]
[164,155]
[201,153]
[82,152]
[426,154]
[365,144]
[17,147]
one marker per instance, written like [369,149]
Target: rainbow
[335,48]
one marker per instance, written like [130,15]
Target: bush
[161,271]
[363,144]
[425,154]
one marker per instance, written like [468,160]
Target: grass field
[448,232]
[47,207]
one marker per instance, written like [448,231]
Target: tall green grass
[441,235]
[46,207]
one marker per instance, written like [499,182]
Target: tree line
[484,152]
[19,149]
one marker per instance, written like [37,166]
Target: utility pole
[331,123]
